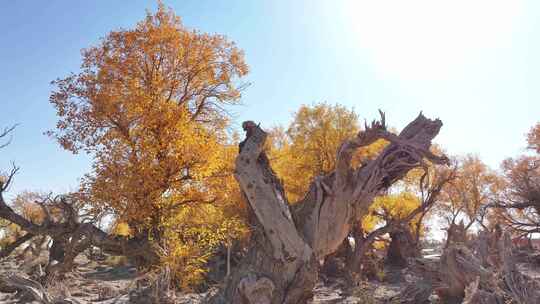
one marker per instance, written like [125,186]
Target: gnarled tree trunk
[290,241]
[361,247]
[70,236]
[402,247]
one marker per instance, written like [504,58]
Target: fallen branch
[521,288]
[34,289]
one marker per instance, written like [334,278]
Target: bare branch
[33,288]
[5,133]
[4,185]
[369,135]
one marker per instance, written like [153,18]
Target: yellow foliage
[379,245]
[122,229]
[191,238]
[25,205]
[148,106]
[473,188]
[309,146]
[393,207]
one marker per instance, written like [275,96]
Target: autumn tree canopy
[468,195]
[150,106]
[518,204]
[307,147]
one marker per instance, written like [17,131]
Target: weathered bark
[418,227]
[76,235]
[282,262]
[456,234]
[361,246]
[279,264]
[521,288]
[419,291]
[459,268]
[415,293]
[35,247]
[401,247]
[460,277]
[486,247]
[33,290]
[498,282]
[474,295]
[336,264]
[70,236]
[481,247]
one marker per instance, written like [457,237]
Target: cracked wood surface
[299,235]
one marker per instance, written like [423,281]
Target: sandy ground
[105,283]
[98,282]
[93,282]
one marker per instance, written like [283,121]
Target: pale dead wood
[462,277]
[297,238]
[70,235]
[257,291]
[33,288]
[260,185]
[474,295]
[521,288]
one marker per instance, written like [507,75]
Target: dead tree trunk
[523,289]
[401,247]
[289,242]
[70,236]
[457,234]
[80,235]
[361,246]
[430,194]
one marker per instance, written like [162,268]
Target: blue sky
[474,64]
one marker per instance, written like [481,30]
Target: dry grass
[364,295]
[106,292]
[58,290]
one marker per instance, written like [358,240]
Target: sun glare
[421,39]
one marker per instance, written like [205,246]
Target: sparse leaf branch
[432,196]
[4,184]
